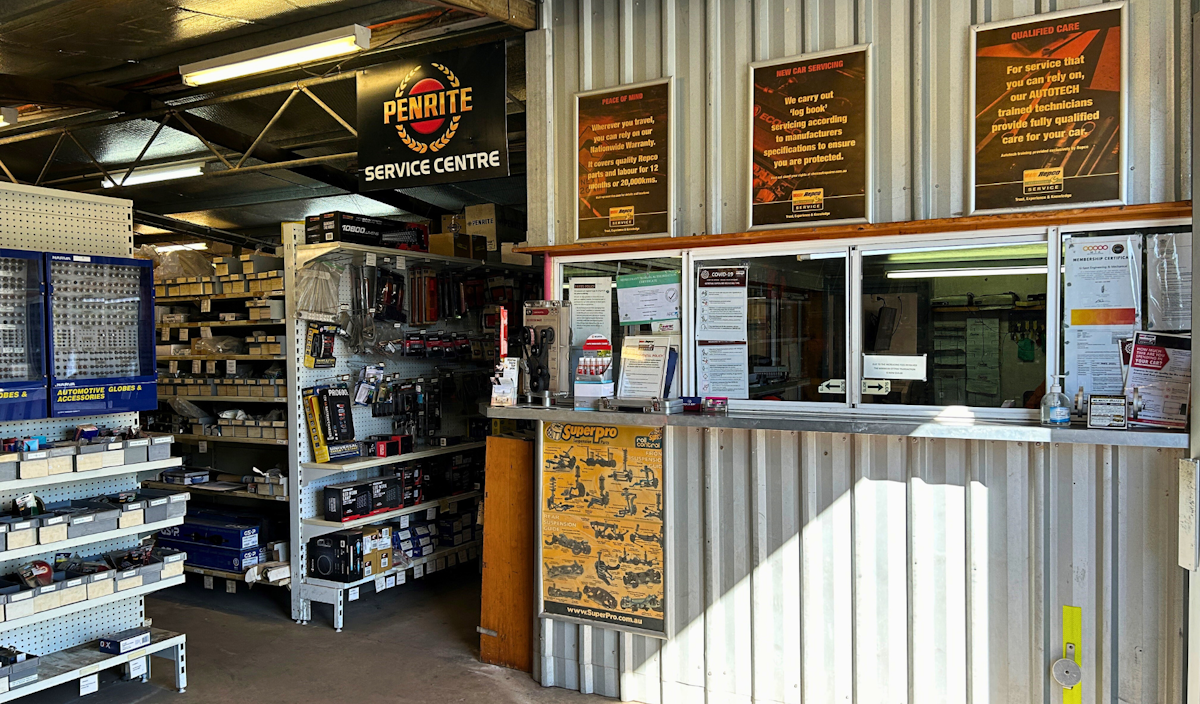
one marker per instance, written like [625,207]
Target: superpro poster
[623,168]
[809,140]
[1048,107]
[602,525]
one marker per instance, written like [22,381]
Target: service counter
[819,538]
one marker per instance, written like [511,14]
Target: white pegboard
[43,219]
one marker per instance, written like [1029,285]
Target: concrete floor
[414,644]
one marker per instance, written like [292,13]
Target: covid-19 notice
[623,170]
[1048,106]
[809,147]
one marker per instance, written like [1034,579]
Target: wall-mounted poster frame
[649,214]
[1026,184]
[809,202]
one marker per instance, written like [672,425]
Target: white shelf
[83,660]
[68,477]
[88,539]
[313,527]
[324,469]
[230,399]
[90,603]
[200,489]
[327,584]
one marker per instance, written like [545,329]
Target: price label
[401,578]
[472,553]
[137,666]
[462,555]
[230,586]
[208,581]
[353,594]
[404,521]
[231,367]
[441,564]
[197,366]
[453,507]
[210,366]
[431,514]
[173,366]
[451,560]
[431,567]
[203,449]
[380,584]
[370,259]
[183,334]
[205,305]
[89,685]
[418,571]
[205,332]
[166,335]
[391,581]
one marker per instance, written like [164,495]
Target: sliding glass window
[955,325]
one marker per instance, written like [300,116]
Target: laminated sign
[602,525]
[434,119]
[1047,111]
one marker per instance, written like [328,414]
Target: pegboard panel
[45,219]
[53,428]
[68,631]
[90,550]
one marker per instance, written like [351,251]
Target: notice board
[1048,103]
[623,170]
[602,531]
[809,158]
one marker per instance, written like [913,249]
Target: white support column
[1192,666]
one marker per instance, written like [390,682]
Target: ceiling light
[295,52]
[988,271]
[163,172]
[181,247]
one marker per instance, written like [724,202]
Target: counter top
[862,424]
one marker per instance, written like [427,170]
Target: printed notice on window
[1102,285]
[591,307]
[1048,111]
[721,303]
[808,159]
[722,369]
[623,170]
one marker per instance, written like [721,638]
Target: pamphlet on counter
[1160,379]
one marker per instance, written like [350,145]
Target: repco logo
[426,114]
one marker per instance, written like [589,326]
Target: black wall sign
[1047,112]
[808,152]
[433,119]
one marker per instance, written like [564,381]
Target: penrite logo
[426,107]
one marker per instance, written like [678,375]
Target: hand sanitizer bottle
[1056,407]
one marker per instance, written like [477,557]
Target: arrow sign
[876,387]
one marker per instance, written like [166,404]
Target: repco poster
[1048,107]
[809,139]
[435,119]
[623,169]
[602,525]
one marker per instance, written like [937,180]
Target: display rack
[307,478]
[64,638]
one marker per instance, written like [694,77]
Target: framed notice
[1048,104]
[602,537]
[433,119]
[809,143]
[623,169]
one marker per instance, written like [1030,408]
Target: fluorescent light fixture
[294,52]
[8,117]
[162,172]
[181,247]
[987,271]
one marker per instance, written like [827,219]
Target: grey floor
[415,644]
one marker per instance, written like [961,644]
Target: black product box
[125,641]
[336,556]
[351,500]
[344,227]
[406,235]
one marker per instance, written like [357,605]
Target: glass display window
[955,325]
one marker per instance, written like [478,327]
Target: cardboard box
[495,222]
[450,245]
[125,641]
[343,227]
[336,556]
[258,263]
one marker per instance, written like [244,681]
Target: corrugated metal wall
[811,567]
[921,77]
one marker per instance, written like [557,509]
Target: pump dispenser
[1056,407]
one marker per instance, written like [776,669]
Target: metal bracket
[1066,672]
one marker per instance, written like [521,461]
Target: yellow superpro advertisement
[602,524]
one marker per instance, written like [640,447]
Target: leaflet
[723,369]
[721,303]
[643,367]
[649,297]
[1102,305]
[591,306]
[1160,379]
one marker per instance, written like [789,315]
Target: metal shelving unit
[64,638]
[224,438]
[231,399]
[307,478]
[201,489]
